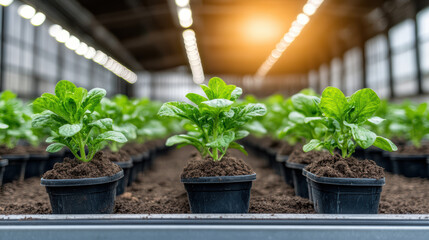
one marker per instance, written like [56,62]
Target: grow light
[301,20]
[26,11]
[38,19]
[82,49]
[184,14]
[5,3]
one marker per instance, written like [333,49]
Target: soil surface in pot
[119,156]
[336,166]
[286,149]
[228,166]
[18,150]
[301,157]
[413,150]
[36,150]
[160,191]
[99,166]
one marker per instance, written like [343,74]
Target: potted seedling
[114,151]
[413,121]
[217,182]
[87,183]
[300,126]
[12,129]
[341,183]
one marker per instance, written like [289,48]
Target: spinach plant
[14,120]
[344,118]
[412,121]
[299,124]
[215,123]
[69,114]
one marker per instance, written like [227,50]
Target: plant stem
[82,149]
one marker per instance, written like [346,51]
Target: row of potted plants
[97,146]
[306,122]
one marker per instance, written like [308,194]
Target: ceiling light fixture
[301,20]
[38,19]
[26,11]
[184,14]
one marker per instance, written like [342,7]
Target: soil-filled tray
[159,191]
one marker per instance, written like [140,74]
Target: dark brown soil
[135,149]
[228,166]
[286,149]
[75,169]
[36,149]
[18,150]
[119,156]
[160,191]
[301,157]
[336,166]
[413,150]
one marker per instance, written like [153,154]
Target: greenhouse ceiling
[151,33]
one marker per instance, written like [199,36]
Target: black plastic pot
[409,165]
[147,161]
[36,165]
[52,159]
[286,172]
[3,164]
[82,196]
[135,169]
[344,195]
[15,170]
[299,180]
[123,182]
[271,154]
[223,194]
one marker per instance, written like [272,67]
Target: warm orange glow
[261,29]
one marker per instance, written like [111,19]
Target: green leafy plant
[410,121]
[299,120]
[69,114]
[14,120]
[344,118]
[215,124]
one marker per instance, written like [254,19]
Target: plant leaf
[333,103]
[363,105]
[195,98]
[376,120]
[363,137]
[105,124]
[68,130]
[313,144]
[55,147]
[385,144]
[112,136]
[64,87]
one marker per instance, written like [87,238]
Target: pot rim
[15,157]
[127,164]
[281,158]
[344,181]
[295,165]
[220,179]
[137,157]
[81,181]
[399,156]
[4,162]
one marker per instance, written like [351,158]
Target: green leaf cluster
[214,123]
[69,113]
[15,120]
[345,117]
